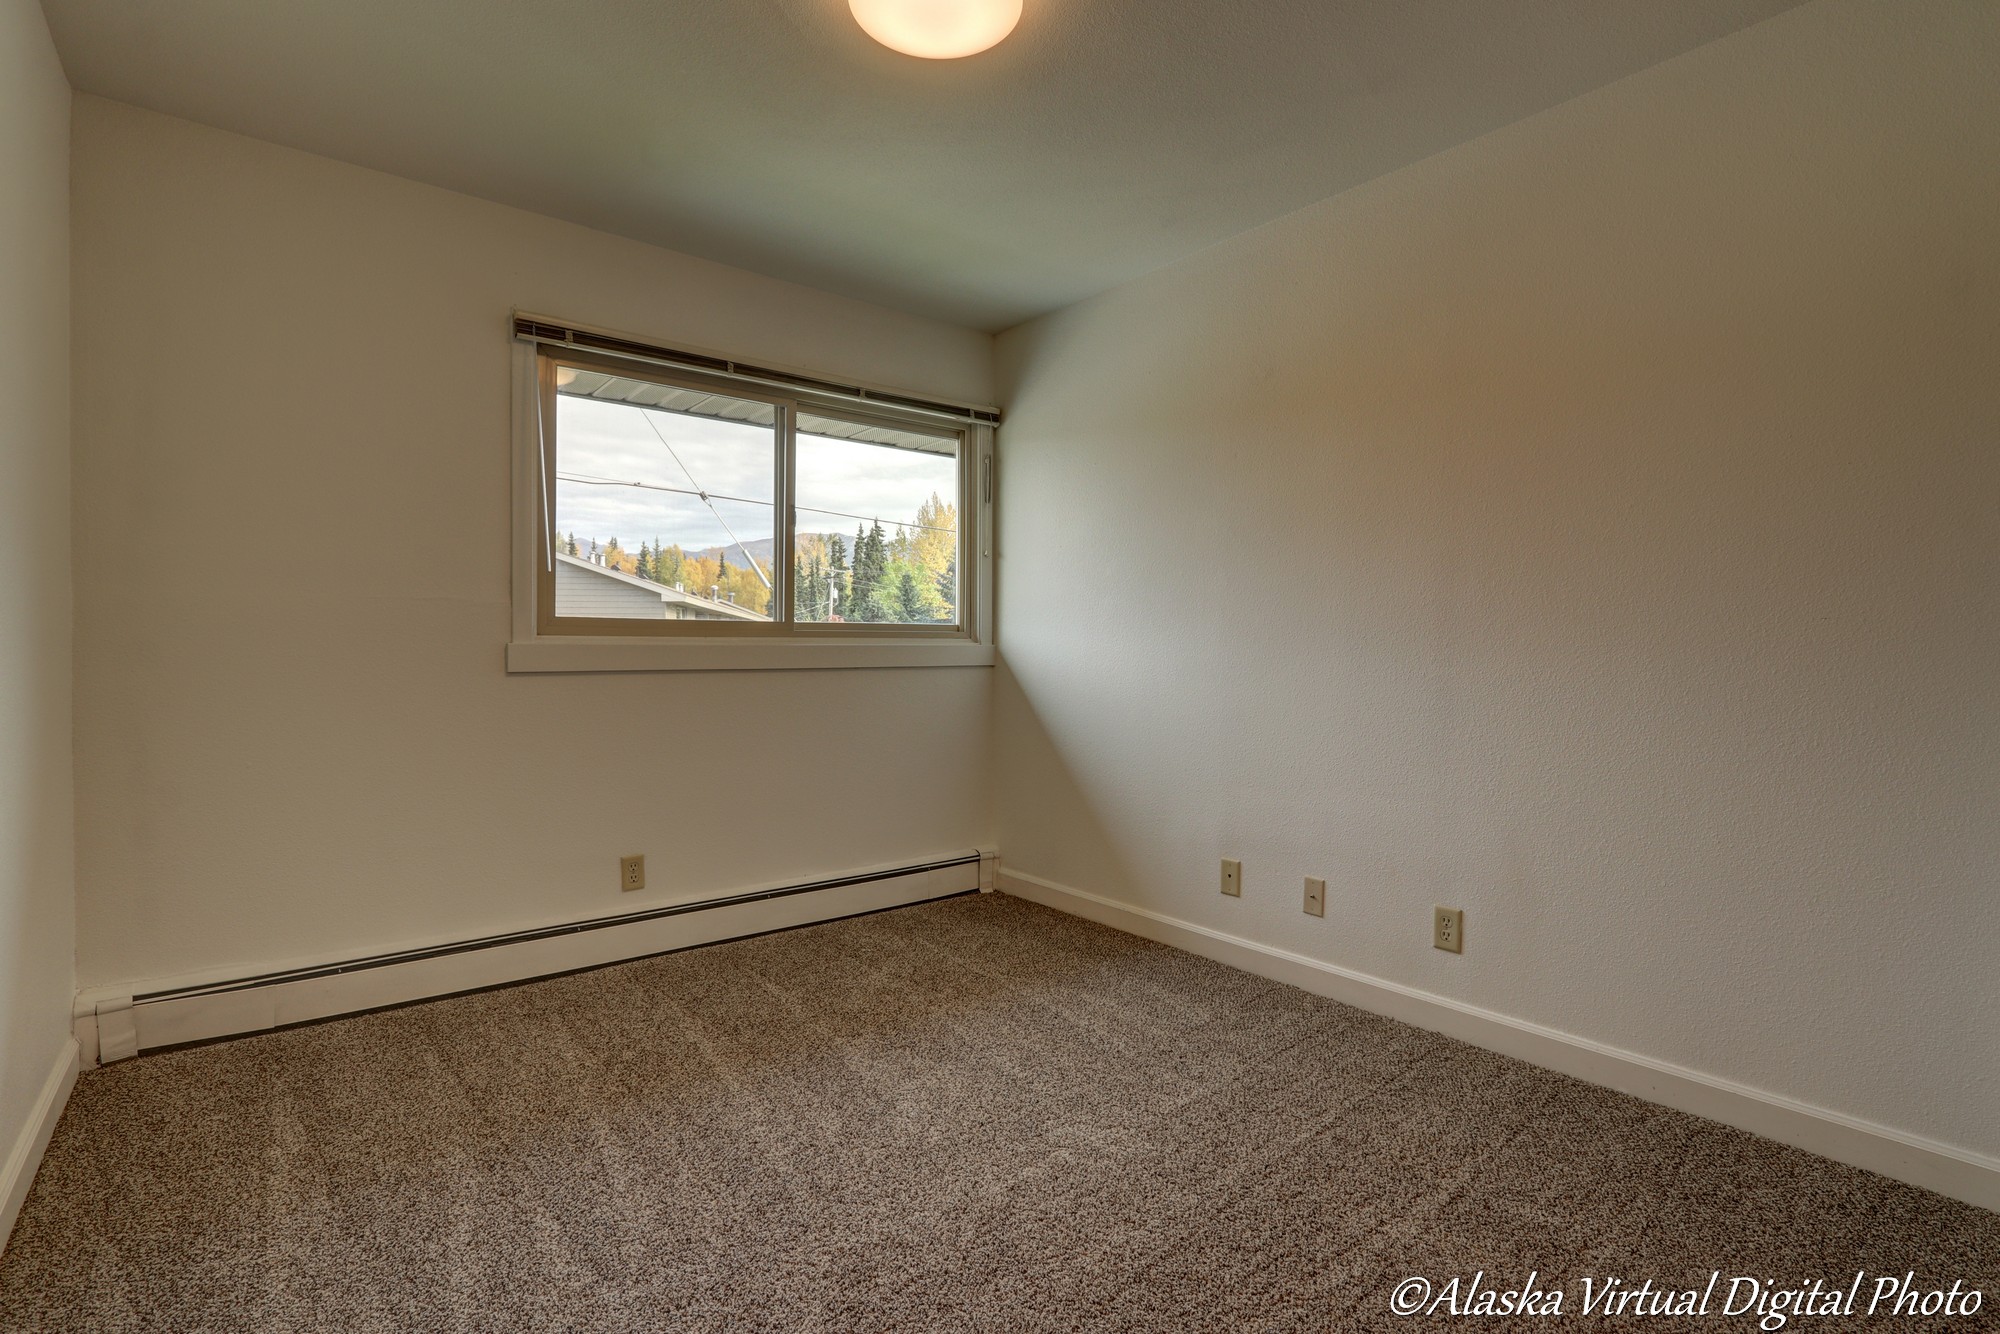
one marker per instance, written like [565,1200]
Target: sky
[613,441]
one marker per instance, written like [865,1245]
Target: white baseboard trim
[1959,1173]
[26,1155]
[197,1007]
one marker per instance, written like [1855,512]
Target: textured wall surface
[37,905]
[292,439]
[1594,527]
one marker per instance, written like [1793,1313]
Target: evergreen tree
[645,567]
[836,577]
[570,550]
[885,600]
[861,600]
[878,554]
[809,579]
[875,597]
[916,594]
[947,586]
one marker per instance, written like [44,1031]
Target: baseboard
[1948,1170]
[198,1007]
[26,1155]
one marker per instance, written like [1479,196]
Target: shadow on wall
[35,932]
[1056,799]
[1590,528]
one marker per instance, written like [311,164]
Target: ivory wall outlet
[1232,879]
[632,872]
[1315,897]
[1448,929]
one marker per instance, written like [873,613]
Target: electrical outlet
[1448,929]
[1232,879]
[1315,897]
[632,872]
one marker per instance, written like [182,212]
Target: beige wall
[296,738]
[1592,526]
[37,902]
[1596,526]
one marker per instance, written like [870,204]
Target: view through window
[902,572]
[666,499]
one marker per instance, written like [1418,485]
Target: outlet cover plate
[1232,879]
[1315,897]
[632,872]
[1448,929]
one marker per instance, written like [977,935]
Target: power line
[711,504]
[745,500]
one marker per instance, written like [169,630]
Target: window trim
[539,644]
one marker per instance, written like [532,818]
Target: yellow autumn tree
[698,574]
[742,587]
[933,546]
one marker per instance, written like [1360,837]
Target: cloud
[613,443]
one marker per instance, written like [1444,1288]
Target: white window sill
[581,654]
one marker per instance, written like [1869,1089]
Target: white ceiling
[1105,138]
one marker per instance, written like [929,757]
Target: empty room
[999,665]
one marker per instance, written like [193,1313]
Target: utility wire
[711,504]
[744,500]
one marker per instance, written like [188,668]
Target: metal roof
[726,407]
[665,592]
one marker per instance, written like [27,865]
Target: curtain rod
[544,332]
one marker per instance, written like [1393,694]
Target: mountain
[760,549]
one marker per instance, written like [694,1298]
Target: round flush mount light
[937,29]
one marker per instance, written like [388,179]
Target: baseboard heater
[111,1024]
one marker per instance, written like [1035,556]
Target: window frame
[543,642]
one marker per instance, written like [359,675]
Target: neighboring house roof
[664,592]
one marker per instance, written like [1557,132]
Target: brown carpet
[974,1114]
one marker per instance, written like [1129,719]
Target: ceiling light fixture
[937,29]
